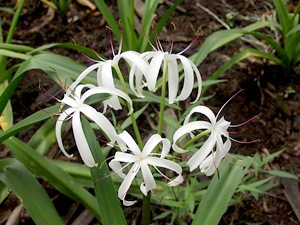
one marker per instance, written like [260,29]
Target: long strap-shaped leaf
[110,210]
[219,192]
[44,168]
[16,176]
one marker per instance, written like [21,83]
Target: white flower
[77,106]
[208,163]
[105,72]
[158,57]
[142,160]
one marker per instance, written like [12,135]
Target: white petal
[154,68]
[125,157]
[153,142]
[81,142]
[148,177]
[69,101]
[108,90]
[108,81]
[125,136]
[82,76]
[178,180]
[137,60]
[58,126]
[203,110]
[198,75]
[104,124]
[117,168]
[124,187]
[188,79]
[165,163]
[173,82]
[187,128]
[201,154]
[79,89]
[134,72]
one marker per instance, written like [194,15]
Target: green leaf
[28,121]
[44,137]
[109,17]
[110,210]
[220,38]
[4,191]
[268,158]
[294,30]
[162,215]
[44,168]
[219,192]
[280,173]
[282,15]
[35,199]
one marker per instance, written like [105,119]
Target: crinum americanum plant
[133,159]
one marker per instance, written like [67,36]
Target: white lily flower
[217,130]
[76,107]
[141,161]
[105,71]
[158,57]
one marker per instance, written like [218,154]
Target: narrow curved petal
[82,76]
[79,89]
[69,101]
[81,142]
[212,162]
[203,110]
[187,128]
[173,78]
[148,177]
[125,157]
[124,187]
[136,73]
[137,60]
[165,163]
[125,136]
[154,68]
[199,79]
[153,141]
[178,180]
[188,79]
[108,90]
[117,168]
[108,81]
[58,126]
[201,154]
[104,124]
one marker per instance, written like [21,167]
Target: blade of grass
[35,199]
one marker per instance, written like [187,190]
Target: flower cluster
[144,72]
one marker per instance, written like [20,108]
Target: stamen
[41,87]
[82,53]
[228,102]
[148,39]
[173,34]
[244,142]
[111,42]
[91,46]
[52,114]
[57,77]
[238,125]
[197,35]
[121,37]
[116,172]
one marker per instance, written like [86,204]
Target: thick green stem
[162,100]
[203,133]
[133,120]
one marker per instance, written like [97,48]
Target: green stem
[133,120]
[203,133]
[162,100]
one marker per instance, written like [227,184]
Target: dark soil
[264,84]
